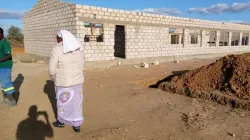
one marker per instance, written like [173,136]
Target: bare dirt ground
[17,50]
[119,106]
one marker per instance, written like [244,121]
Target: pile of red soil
[229,75]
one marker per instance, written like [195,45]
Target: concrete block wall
[131,17]
[146,41]
[203,41]
[146,35]
[42,23]
[186,37]
[206,38]
[248,38]
[96,51]
[240,38]
[230,38]
[218,34]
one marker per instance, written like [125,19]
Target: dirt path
[117,108]
[17,51]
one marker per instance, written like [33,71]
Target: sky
[237,11]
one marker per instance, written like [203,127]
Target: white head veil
[70,42]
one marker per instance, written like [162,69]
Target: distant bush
[15,34]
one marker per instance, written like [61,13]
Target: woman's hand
[52,77]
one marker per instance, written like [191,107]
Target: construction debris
[232,134]
[156,63]
[40,62]
[176,61]
[135,66]
[144,65]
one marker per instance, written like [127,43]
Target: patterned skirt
[69,105]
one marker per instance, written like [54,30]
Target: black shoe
[9,99]
[58,124]
[77,129]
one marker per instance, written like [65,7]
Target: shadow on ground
[34,129]
[17,84]
[168,78]
[49,89]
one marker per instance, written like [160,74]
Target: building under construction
[110,33]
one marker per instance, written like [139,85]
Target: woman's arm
[5,58]
[53,62]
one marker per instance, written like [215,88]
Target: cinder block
[93,8]
[112,10]
[78,6]
[104,9]
[101,13]
[27,58]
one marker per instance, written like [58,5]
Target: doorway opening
[119,41]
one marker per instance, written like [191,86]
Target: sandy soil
[229,75]
[17,51]
[118,106]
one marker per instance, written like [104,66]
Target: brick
[93,8]
[107,14]
[86,7]
[104,9]
[111,10]
[101,13]
[78,6]
[105,17]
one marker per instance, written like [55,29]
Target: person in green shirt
[5,71]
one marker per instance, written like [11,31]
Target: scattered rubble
[40,62]
[232,134]
[176,61]
[156,63]
[144,65]
[135,66]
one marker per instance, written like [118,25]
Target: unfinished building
[110,33]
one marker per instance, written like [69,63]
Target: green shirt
[5,49]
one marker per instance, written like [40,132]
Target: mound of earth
[229,75]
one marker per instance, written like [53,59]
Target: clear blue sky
[11,11]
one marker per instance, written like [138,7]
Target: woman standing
[66,70]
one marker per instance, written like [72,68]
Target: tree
[15,34]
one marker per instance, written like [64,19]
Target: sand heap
[229,75]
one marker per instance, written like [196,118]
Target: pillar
[166,32]
[230,39]
[169,39]
[217,38]
[185,37]
[203,38]
[199,40]
[180,38]
[248,43]
[189,39]
[240,42]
